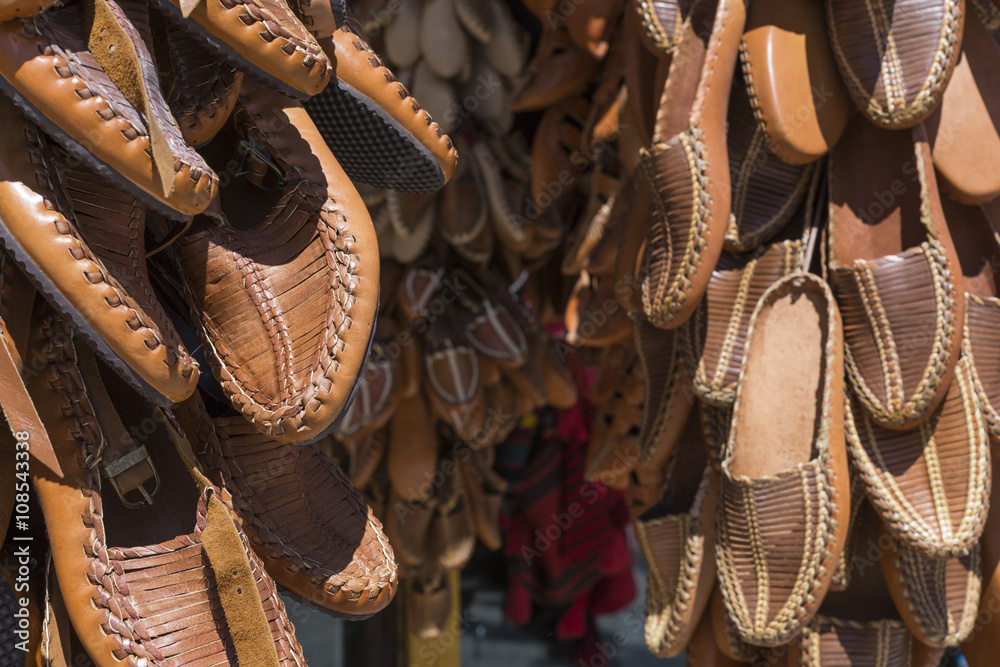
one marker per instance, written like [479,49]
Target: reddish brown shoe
[303,517]
[283,275]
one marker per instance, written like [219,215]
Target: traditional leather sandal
[406,525]
[978,248]
[304,518]
[365,106]
[80,240]
[121,560]
[605,191]
[593,316]
[558,70]
[261,37]
[962,132]
[938,598]
[464,205]
[774,580]
[894,269]
[613,450]
[896,68]
[668,406]
[613,359]
[506,196]
[660,22]
[727,638]
[402,35]
[556,158]
[282,276]
[420,286]
[794,87]
[647,64]
[202,89]
[937,502]
[443,43]
[507,51]
[766,191]
[677,537]
[103,104]
[713,340]
[452,370]
[428,604]
[490,326]
[450,535]
[847,559]
[484,490]
[687,166]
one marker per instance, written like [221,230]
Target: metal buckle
[244,150]
[127,462]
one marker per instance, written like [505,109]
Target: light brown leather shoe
[930,485]
[795,89]
[558,70]
[126,135]
[687,166]
[282,275]
[896,61]
[81,242]
[261,37]
[894,270]
[677,537]
[379,133]
[938,598]
[122,558]
[785,496]
[303,517]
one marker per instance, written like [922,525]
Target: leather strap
[234,579]
[114,51]
[19,409]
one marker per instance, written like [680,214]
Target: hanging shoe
[282,274]
[103,104]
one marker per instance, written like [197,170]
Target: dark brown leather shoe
[81,241]
[895,272]
[282,275]
[896,59]
[311,528]
[126,135]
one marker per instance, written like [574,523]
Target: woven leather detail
[247,286]
[136,589]
[680,212]
[897,349]
[930,485]
[982,320]
[834,642]
[108,226]
[302,515]
[940,596]
[277,21]
[766,191]
[660,21]
[769,575]
[715,335]
[895,58]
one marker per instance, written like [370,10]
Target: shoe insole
[781,400]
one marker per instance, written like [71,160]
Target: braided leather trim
[663,296]
[303,43]
[96,272]
[902,517]
[898,111]
[986,404]
[886,642]
[668,601]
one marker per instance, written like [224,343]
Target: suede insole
[781,400]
